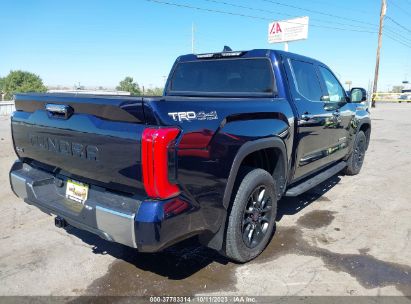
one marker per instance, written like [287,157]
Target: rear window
[225,76]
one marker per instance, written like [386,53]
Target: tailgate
[92,139]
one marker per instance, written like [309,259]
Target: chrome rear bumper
[107,214]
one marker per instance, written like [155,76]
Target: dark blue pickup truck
[232,134]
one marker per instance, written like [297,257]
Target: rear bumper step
[316,180]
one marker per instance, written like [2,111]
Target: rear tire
[356,159]
[252,217]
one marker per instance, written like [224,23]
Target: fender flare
[363,121]
[244,151]
[216,240]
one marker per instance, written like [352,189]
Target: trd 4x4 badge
[191,115]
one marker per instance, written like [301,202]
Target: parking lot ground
[348,236]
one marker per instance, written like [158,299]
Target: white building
[407,87]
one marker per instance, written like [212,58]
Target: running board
[317,179]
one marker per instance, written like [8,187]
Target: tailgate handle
[59,111]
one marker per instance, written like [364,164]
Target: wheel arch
[279,170]
[279,174]
[365,126]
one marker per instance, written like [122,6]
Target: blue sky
[100,42]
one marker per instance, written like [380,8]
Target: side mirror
[358,95]
[325,98]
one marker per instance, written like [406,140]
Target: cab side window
[335,90]
[306,80]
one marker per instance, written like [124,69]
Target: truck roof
[252,54]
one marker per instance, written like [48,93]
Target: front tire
[252,217]
[356,159]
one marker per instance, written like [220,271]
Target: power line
[398,24]
[403,43]
[267,19]
[316,12]
[275,12]
[392,32]
[399,7]
[337,4]
[250,16]
[395,32]
[205,9]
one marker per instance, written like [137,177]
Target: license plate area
[77,191]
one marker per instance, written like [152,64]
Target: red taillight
[154,160]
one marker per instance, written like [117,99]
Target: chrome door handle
[61,111]
[337,112]
[307,116]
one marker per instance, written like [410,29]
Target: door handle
[59,111]
[336,113]
[307,116]
[337,117]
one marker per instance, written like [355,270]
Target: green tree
[1,88]
[22,82]
[129,85]
[1,84]
[154,92]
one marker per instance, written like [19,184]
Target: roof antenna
[227,49]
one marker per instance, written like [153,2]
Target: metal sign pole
[286,46]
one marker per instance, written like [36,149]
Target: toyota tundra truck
[232,134]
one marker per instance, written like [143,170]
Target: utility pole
[377,63]
[192,38]
[369,89]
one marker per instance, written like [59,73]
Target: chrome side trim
[119,226]
[284,134]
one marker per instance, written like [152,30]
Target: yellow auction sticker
[76,191]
